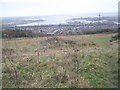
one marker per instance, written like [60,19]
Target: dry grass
[83,64]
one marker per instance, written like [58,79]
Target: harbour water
[62,19]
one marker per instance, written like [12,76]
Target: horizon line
[57,14]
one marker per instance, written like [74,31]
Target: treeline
[29,33]
[20,33]
[100,31]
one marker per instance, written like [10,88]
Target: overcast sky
[53,7]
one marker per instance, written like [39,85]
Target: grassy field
[79,61]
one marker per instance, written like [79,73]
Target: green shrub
[116,37]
